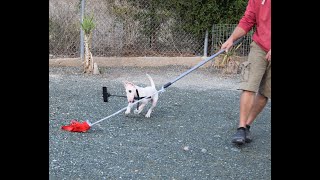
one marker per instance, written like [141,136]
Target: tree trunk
[88,61]
[232,66]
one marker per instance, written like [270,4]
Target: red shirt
[258,12]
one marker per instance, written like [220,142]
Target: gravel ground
[187,137]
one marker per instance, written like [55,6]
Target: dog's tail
[151,81]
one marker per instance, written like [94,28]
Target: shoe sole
[239,142]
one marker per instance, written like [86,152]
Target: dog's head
[130,91]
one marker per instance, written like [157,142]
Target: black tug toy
[106,95]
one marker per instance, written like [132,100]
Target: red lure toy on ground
[76,126]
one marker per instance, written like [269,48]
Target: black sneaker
[248,136]
[240,136]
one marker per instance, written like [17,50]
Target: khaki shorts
[256,72]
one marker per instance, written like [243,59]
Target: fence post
[81,31]
[205,50]
[213,43]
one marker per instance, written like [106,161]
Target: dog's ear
[125,83]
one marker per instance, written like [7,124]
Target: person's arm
[245,25]
[236,34]
[268,56]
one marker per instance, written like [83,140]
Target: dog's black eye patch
[129,91]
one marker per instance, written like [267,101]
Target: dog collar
[138,98]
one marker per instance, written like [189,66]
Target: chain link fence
[221,32]
[64,28]
[127,29]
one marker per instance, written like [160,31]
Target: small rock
[235,149]
[203,150]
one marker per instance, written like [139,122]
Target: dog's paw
[127,112]
[136,111]
[147,115]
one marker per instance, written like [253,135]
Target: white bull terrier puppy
[135,92]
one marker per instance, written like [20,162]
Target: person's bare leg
[246,102]
[259,103]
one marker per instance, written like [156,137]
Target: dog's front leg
[138,111]
[128,109]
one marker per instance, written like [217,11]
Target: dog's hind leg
[153,105]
